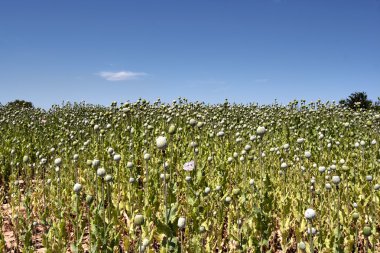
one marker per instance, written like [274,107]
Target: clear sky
[206,50]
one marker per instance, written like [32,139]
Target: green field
[190,177]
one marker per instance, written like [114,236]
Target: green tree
[357,100]
[20,104]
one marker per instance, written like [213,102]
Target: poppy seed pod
[367,231]
[300,140]
[89,199]
[193,144]
[161,143]
[145,242]
[138,220]
[108,178]
[322,169]
[110,150]
[302,246]
[336,180]
[25,159]
[117,158]
[57,161]
[172,129]
[310,214]
[261,131]
[236,191]
[146,157]
[77,188]
[101,172]
[192,122]
[239,222]
[181,222]
[95,163]
[311,231]
[220,134]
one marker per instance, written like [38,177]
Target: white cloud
[121,75]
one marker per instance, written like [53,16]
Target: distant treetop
[20,104]
[357,100]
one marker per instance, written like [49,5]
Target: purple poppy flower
[189,166]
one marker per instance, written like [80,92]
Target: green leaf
[162,228]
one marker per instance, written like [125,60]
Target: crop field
[190,177]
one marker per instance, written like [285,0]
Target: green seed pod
[367,231]
[25,159]
[236,191]
[89,199]
[355,216]
[172,129]
[302,246]
[139,220]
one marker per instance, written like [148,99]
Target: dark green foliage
[20,104]
[357,100]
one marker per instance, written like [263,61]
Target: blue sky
[206,50]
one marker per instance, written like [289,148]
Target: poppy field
[190,177]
